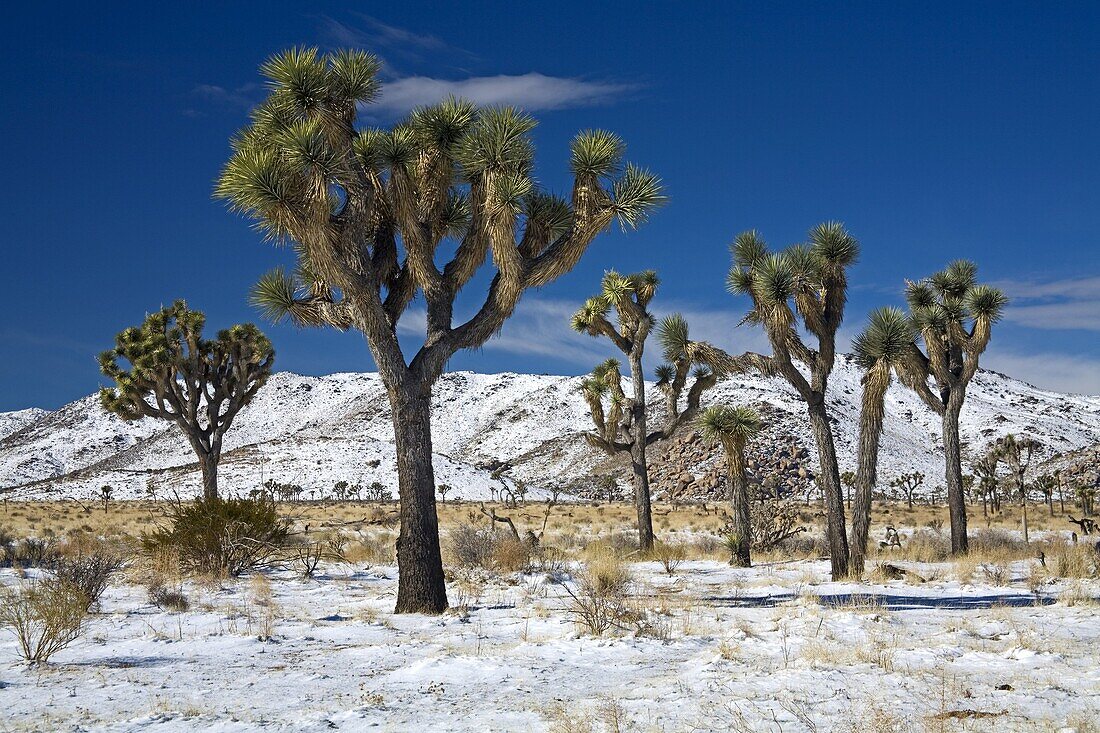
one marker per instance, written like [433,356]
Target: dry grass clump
[88,564]
[925,546]
[598,602]
[489,548]
[670,555]
[46,615]
[1072,560]
[371,548]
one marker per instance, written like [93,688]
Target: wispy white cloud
[532,91]
[1067,304]
[373,34]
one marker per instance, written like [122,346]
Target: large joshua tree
[804,285]
[733,428]
[954,316]
[883,349]
[377,216]
[622,427]
[175,374]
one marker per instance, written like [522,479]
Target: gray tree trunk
[741,553]
[209,464]
[637,454]
[870,433]
[829,478]
[952,448]
[420,585]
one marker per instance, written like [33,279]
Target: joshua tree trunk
[829,480]
[637,451]
[952,448]
[209,464]
[1023,508]
[740,555]
[420,585]
[870,433]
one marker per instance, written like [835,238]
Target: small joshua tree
[804,285]
[443,489]
[985,468]
[380,216]
[106,491]
[1046,484]
[175,374]
[954,316]
[622,427]
[733,428]
[1017,453]
[908,483]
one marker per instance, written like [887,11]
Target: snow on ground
[775,647]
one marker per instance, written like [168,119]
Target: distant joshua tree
[1046,484]
[378,217]
[954,316]
[1017,453]
[106,491]
[733,428]
[805,285]
[175,374]
[908,483]
[443,489]
[622,427]
[985,468]
[884,348]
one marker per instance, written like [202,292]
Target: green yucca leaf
[773,279]
[984,301]
[635,196]
[674,336]
[548,211]
[442,125]
[739,281]
[919,295]
[301,74]
[721,423]
[748,248]
[371,146]
[664,373]
[887,337]
[498,140]
[354,75]
[274,295]
[833,245]
[596,153]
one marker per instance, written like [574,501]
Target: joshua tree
[848,480]
[985,468]
[955,316]
[177,375]
[106,491]
[377,215]
[1046,484]
[804,285]
[443,489]
[908,483]
[1017,454]
[623,427]
[884,348]
[733,427]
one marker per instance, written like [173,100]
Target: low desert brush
[46,615]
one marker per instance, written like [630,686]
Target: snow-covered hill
[315,431]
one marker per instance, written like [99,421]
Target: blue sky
[934,131]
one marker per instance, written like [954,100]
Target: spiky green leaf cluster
[724,424]
[887,338]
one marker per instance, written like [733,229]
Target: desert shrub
[470,546]
[548,560]
[1076,560]
[997,543]
[927,546]
[31,552]
[222,536]
[372,548]
[88,566]
[305,557]
[46,615]
[598,602]
[510,554]
[168,598]
[670,555]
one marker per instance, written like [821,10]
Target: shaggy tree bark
[741,552]
[870,433]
